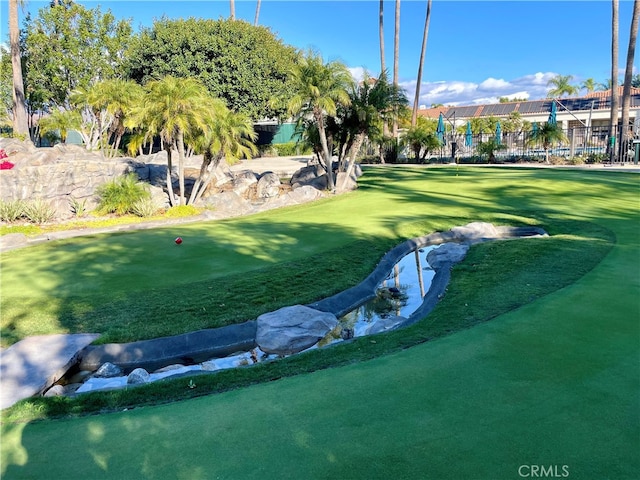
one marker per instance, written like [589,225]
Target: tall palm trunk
[326,153]
[425,35]
[20,124]
[628,76]
[167,147]
[615,97]
[255,21]
[396,60]
[232,7]
[180,146]
[353,152]
[381,30]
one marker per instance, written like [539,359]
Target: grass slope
[553,382]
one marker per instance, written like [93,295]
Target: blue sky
[477,51]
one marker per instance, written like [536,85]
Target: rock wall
[60,174]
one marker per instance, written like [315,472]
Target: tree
[255,21]
[396,57]
[635,80]
[615,97]
[59,123]
[239,63]
[19,109]
[561,86]
[228,135]
[372,103]
[489,148]
[103,108]
[416,101]
[174,108]
[69,47]
[232,9]
[589,85]
[318,89]
[547,135]
[628,77]
[421,138]
[381,35]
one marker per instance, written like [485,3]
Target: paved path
[30,366]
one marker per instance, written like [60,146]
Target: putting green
[553,385]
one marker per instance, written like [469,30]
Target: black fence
[581,145]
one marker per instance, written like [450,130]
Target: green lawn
[552,383]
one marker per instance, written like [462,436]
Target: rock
[446,254]
[346,183]
[308,175]
[108,370]
[138,377]
[385,324]
[292,329]
[55,391]
[243,180]
[229,204]
[268,186]
[475,232]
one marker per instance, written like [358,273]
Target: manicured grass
[552,382]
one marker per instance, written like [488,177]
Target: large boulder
[243,180]
[447,254]
[308,175]
[229,204]
[268,185]
[475,232]
[293,329]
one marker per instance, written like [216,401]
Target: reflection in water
[399,294]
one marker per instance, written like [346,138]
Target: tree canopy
[69,47]
[242,64]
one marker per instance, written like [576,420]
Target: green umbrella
[552,114]
[440,130]
[468,137]
[498,134]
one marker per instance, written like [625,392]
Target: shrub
[38,211]
[78,207]
[182,211]
[145,207]
[120,195]
[11,210]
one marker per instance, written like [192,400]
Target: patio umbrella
[440,129]
[552,114]
[498,134]
[468,137]
[534,128]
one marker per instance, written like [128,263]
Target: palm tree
[373,103]
[628,77]
[20,124]
[589,85]
[173,108]
[232,7]
[421,138]
[561,86]
[318,89]
[547,134]
[416,101]
[60,122]
[115,97]
[381,35]
[230,136]
[396,57]
[615,96]
[255,21]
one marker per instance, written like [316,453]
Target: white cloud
[456,92]
[357,73]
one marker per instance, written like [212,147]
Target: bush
[11,210]
[145,207]
[38,211]
[120,195]
[182,211]
[78,207]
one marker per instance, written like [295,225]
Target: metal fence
[586,144]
